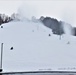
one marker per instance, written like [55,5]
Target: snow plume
[26,11]
[67,28]
[68,16]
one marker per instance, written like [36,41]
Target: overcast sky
[61,9]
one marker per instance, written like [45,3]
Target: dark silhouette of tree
[54,24]
[74,31]
[4,19]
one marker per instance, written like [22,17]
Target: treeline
[56,26]
[5,19]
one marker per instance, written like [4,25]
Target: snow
[34,49]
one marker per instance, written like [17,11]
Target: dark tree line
[74,30]
[56,26]
[4,19]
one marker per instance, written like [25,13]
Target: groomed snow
[34,49]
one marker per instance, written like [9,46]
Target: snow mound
[34,48]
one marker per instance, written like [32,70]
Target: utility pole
[1,57]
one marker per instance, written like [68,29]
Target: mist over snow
[62,10]
[26,11]
[34,45]
[67,29]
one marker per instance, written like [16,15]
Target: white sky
[60,9]
[9,6]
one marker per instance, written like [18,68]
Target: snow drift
[34,49]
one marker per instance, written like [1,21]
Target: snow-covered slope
[34,49]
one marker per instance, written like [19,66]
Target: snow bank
[34,49]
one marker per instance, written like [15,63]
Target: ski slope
[34,49]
